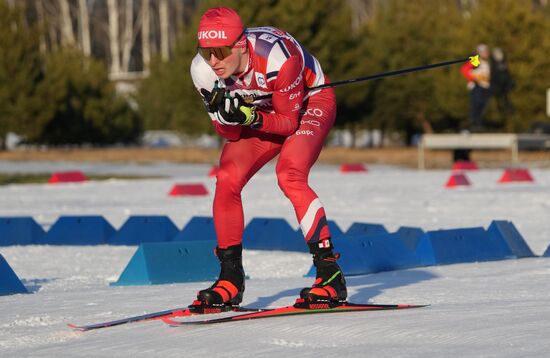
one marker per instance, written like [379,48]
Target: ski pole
[474,60]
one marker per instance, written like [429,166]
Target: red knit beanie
[220,26]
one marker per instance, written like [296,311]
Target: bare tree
[127,39]
[180,12]
[177,24]
[84,22]
[113,36]
[41,19]
[66,23]
[362,10]
[51,18]
[145,34]
[164,30]
[108,29]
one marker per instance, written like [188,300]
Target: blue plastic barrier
[19,231]
[372,253]
[424,251]
[9,282]
[171,262]
[366,229]
[410,236]
[334,229]
[140,229]
[465,245]
[198,228]
[272,234]
[78,230]
[509,239]
[416,240]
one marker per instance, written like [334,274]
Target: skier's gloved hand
[234,110]
[213,99]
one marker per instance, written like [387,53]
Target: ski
[166,314]
[299,308]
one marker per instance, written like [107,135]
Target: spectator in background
[479,85]
[501,81]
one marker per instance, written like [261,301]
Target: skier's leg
[299,153]
[239,161]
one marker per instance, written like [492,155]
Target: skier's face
[232,64]
[227,60]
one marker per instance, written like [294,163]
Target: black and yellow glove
[213,99]
[234,110]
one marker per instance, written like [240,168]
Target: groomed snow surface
[489,309]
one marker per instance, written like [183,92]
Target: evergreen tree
[324,29]
[167,99]
[400,34]
[19,70]
[405,34]
[76,103]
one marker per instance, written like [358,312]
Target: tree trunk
[177,25]
[164,32]
[359,13]
[66,23]
[84,28]
[41,19]
[127,39]
[113,36]
[52,17]
[145,34]
[180,13]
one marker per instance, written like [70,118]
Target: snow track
[490,309]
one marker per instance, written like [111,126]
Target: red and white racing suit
[295,125]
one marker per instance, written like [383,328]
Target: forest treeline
[60,61]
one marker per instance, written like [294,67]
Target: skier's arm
[287,100]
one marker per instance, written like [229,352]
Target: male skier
[234,62]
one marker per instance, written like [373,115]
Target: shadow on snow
[361,289]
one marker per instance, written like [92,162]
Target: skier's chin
[223,73]
[220,71]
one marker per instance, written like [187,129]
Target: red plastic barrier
[353,168]
[67,177]
[464,165]
[188,190]
[213,171]
[457,179]
[515,175]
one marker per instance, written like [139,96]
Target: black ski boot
[228,290]
[330,284]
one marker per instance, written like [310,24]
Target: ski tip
[76,328]
[412,306]
[170,321]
